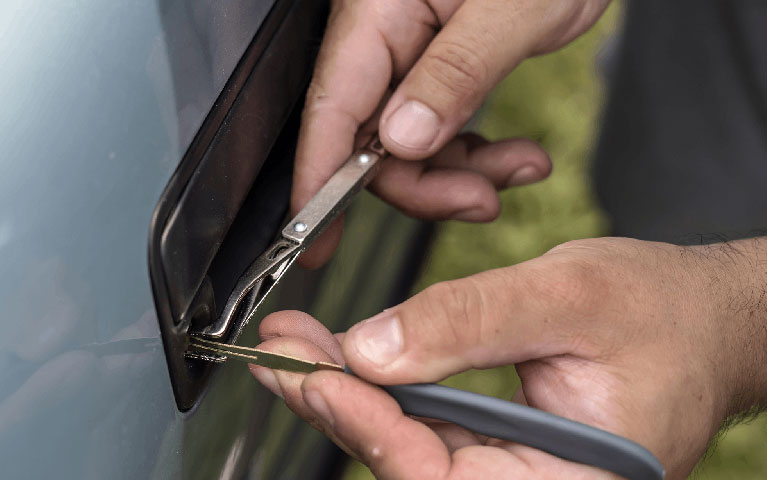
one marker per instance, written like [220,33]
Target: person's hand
[654,342]
[416,71]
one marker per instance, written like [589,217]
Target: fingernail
[317,403]
[413,125]
[378,339]
[267,378]
[524,176]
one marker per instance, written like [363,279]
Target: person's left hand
[416,71]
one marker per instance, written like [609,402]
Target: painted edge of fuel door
[241,157]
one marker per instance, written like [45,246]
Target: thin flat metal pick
[262,358]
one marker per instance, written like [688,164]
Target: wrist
[734,292]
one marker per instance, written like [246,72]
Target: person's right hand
[416,71]
[651,341]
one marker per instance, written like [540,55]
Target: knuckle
[567,246]
[315,91]
[317,97]
[584,246]
[458,68]
[603,250]
[455,307]
[314,102]
[576,286]
[587,285]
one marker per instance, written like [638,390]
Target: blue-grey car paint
[100,100]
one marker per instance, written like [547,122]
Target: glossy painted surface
[99,102]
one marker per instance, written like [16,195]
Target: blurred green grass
[556,100]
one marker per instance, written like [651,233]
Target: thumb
[476,48]
[494,318]
[479,44]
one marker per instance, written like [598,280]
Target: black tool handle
[550,433]
[510,421]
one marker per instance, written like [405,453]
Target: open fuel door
[229,195]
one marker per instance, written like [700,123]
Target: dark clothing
[683,148]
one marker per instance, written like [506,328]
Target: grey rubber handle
[550,433]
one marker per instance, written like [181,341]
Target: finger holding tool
[485,415]
[266,270]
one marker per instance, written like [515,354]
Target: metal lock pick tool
[485,415]
[266,270]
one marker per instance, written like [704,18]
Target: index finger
[366,44]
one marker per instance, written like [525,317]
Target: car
[145,161]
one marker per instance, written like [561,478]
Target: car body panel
[101,101]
